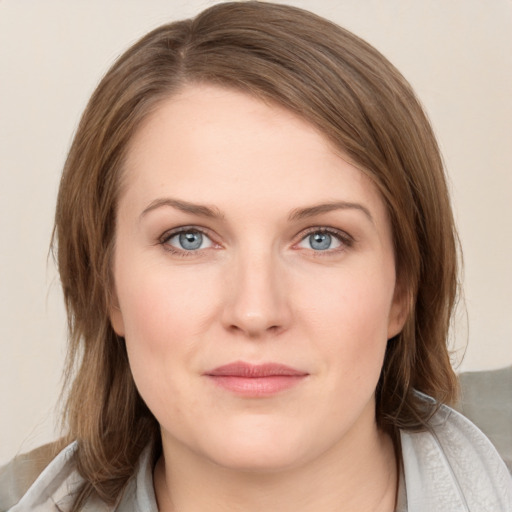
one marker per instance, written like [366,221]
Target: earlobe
[399,311]
[116,316]
[116,320]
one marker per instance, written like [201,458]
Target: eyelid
[342,236]
[345,238]
[181,229]
[170,233]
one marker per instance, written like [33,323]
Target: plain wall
[457,55]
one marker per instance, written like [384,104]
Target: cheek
[164,315]
[348,316]
[159,305]
[354,302]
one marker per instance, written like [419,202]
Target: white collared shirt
[452,467]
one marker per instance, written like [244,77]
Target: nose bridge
[257,301]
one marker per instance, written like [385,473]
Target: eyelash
[346,240]
[164,239]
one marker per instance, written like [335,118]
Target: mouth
[255,380]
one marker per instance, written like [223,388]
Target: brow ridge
[184,206]
[311,211]
[213,212]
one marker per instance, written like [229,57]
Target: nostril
[254,331]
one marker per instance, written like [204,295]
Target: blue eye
[189,240]
[321,241]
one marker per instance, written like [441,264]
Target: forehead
[208,116]
[210,144]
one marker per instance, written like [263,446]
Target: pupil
[320,241]
[191,240]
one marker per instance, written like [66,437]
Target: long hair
[332,79]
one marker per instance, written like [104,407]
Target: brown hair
[327,76]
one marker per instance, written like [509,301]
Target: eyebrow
[215,213]
[184,206]
[311,211]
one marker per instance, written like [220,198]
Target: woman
[258,257]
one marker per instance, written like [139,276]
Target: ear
[399,311]
[116,316]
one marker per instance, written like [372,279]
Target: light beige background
[457,54]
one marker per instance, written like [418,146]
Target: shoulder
[27,479]
[453,466]
[39,480]
[19,474]
[486,400]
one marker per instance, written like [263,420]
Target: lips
[255,380]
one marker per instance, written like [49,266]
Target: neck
[360,475]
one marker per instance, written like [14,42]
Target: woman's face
[255,282]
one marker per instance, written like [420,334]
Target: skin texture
[256,291]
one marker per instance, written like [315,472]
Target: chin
[260,448]
[257,459]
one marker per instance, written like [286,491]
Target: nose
[256,296]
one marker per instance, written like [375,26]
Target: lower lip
[256,386]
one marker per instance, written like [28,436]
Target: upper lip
[248,370]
